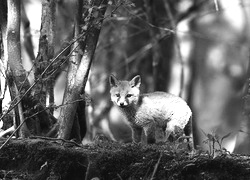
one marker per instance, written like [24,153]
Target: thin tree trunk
[81,116]
[93,22]
[246,108]
[162,48]
[46,53]
[14,58]
[12,53]
[71,93]
[27,34]
[3,26]
[173,24]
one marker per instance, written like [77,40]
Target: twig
[134,56]
[40,78]
[119,176]
[24,129]
[55,139]
[3,133]
[87,171]
[150,24]
[216,5]
[14,132]
[51,74]
[5,83]
[156,167]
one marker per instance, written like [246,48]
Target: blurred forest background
[198,49]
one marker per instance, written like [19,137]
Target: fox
[158,114]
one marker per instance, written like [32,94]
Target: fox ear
[136,81]
[113,81]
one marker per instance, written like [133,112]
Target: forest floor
[41,158]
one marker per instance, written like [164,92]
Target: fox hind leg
[160,134]
[136,134]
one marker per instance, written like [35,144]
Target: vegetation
[57,159]
[55,60]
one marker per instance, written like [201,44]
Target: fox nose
[121,104]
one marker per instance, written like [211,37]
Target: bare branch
[216,5]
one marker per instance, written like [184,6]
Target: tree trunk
[46,52]
[244,147]
[77,75]
[162,47]
[27,37]
[29,104]
[17,73]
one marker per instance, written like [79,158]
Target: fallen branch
[7,131]
[156,167]
[55,139]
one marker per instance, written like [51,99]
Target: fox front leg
[136,134]
[150,133]
[170,129]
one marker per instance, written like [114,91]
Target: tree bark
[17,73]
[46,53]
[12,53]
[92,24]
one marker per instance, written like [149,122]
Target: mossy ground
[56,159]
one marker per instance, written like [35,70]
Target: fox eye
[128,95]
[117,95]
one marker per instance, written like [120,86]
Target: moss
[42,159]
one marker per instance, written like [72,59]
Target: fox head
[125,93]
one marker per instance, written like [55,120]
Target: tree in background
[33,115]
